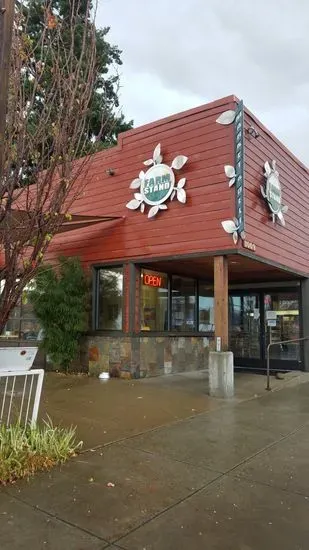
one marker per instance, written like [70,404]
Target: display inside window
[154,301]
[206,312]
[183,304]
[110,299]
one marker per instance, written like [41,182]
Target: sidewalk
[233,477]
[105,412]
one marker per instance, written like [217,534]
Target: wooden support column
[221,299]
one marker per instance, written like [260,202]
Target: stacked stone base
[142,356]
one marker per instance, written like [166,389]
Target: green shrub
[23,451]
[60,302]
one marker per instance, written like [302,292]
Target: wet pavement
[168,468]
[105,412]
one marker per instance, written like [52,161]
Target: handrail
[296,340]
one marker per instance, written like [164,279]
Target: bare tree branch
[50,89]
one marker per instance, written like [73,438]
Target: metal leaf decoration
[226,118]
[157,154]
[229,226]
[181,195]
[284,209]
[153,211]
[281,218]
[235,237]
[133,204]
[140,201]
[231,182]
[229,171]
[135,184]
[179,162]
[267,168]
[243,235]
[263,191]
[181,183]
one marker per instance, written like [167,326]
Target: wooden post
[221,299]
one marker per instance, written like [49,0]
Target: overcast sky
[178,54]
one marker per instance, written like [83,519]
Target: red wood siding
[285,245]
[193,227]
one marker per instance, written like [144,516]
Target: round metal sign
[158,184]
[273,192]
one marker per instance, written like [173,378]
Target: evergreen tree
[105,121]
[60,299]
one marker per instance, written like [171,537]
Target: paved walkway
[233,477]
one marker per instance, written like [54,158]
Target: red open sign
[152,280]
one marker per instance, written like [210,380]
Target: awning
[79,221]
[17,220]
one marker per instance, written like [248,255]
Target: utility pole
[6,26]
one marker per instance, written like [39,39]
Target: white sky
[178,54]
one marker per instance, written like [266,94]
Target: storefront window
[154,300]
[183,304]
[22,323]
[206,316]
[110,298]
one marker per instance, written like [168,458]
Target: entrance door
[282,323]
[259,318]
[245,329]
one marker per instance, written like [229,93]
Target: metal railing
[295,341]
[20,395]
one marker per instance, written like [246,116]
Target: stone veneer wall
[140,356]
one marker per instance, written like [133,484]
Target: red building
[169,279]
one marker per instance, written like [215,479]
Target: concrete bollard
[221,374]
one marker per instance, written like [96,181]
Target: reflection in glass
[154,300]
[206,316]
[110,298]
[183,304]
[244,325]
[22,323]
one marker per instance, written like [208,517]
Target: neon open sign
[152,280]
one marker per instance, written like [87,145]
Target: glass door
[245,329]
[259,318]
[281,320]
